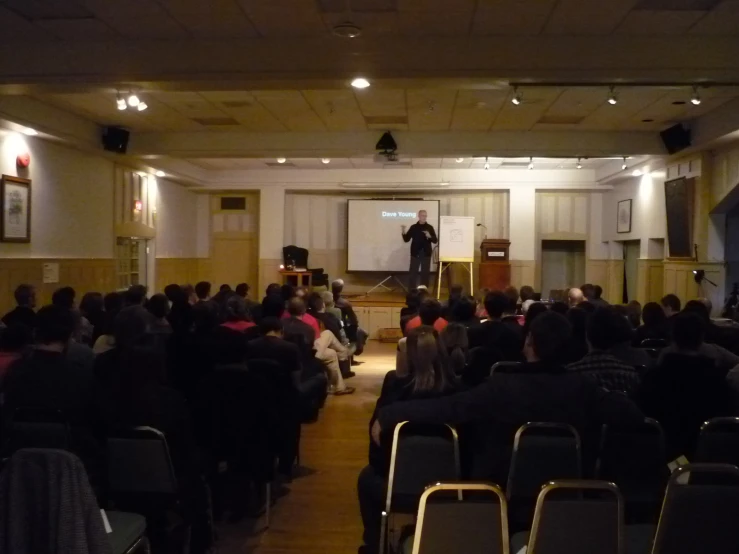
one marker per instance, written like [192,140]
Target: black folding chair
[461,517]
[421,455]
[718,442]
[542,452]
[698,515]
[504,367]
[577,517]
[37,428]
[634,459]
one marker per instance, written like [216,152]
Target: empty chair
[37,428]
[698,515]
[421,455]
[462,517]
[718,442]
[634,459]
[576,517]
[542,452]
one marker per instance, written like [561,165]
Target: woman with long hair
[428,377]
[455,345]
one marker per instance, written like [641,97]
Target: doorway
[133,260]
[631,268]
[562,265]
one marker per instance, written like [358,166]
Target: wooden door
[234,262]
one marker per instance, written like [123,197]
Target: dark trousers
[371,491]
[424,262]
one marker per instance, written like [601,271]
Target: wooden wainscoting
[649,280]
[177,270]
[678,279]
[85,275]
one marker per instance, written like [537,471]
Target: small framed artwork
[623,217]
[15,218]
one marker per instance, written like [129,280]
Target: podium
[494,272]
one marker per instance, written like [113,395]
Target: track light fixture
[133,100]
[120,102]
[579,163]
[623,165]
[517,97]
[696,98]
[531,162]
[130,101]
[612,98]
[487,164]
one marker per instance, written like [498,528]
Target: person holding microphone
[421,235]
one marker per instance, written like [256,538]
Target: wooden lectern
[495,268]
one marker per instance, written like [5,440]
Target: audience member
[456,292]
[670,305]
[189,291]
[575,297]
[78,352]
[633,313]
[512,293]
[607,371]
[298,303]
[427,378]
[202,291]
[725,337]
[429,313]
[64,298]
[577,346]
[534,311]
[317,308]
[92,309]
[495,333]
[685,389]
[135,295]
[588,292]
[480,299]
[527,298]
[180,312]
[23,313]
[655,324]
[351,324]
[158,306]
[113,303]
[597,294]
[14,341]
[560,308]
[328,302]
[242,289]
[541,390]
[464,312]
[455,344]
[237,314]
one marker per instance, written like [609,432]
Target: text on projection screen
[374,241]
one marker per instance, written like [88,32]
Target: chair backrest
[504,367]
[699,515]
[719,441]
[421,455]
[578,517]
[139,462]
[462,517]
[654,343]
[543,452]
[38,428]
[634,457]
[296,254]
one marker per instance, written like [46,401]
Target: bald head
[422,215]
[575,297]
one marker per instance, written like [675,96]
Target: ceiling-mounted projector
[387,147]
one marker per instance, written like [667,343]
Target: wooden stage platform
[376,299]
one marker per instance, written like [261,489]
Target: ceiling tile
[631,101]
[475,110]
[586,17]
[722,20]
[14,27]
[511,17]
[536,101]
[433,23]
[273,20]
[35,10]
[244,108]
[430,109]
[441,6]
[381,102]
[291,108]
[74,29]
[211,19]
[136,18]
[658,22]
[338,109]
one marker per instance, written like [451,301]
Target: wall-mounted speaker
[115,139]
[676,138]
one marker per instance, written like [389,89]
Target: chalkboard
[679,211]
[456,239]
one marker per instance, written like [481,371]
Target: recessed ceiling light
[347,30]
[459,160]
[30,132]
[637,173]
[325,160]
[281,160]
[160,173]
[360,83]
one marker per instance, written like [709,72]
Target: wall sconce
[138,206]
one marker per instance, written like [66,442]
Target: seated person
[671,305]
[654,324]
[272,345]
[494,333]
[606,371]
[305,317]
[527,298]
[410,310]
[685,389]
[427,377]
[23,313]
[351,324]
[329,323]
[578,343]
[158,306]
[456,292]
[464,312]
[113,303]
[14,343]
[237,314]
[429,313]
[633,313]
[541,390]
[456,346]
[575,296]
[327,347]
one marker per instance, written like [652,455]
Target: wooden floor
[320,514]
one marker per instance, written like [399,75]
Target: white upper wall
[177,224]
[71,200]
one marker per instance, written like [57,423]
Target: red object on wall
[23,160]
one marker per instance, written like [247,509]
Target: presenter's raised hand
[403,228]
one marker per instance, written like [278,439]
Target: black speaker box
[676,138]
[115,139]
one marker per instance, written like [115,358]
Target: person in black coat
[23,313]
[494,333]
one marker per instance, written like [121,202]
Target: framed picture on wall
[15,218]
[623,217]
